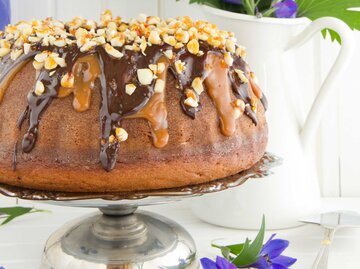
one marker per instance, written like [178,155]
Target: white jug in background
[293,190]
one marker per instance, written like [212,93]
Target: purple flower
[220,263]
[286,9]
[270,255]
[4,15]
[233,2]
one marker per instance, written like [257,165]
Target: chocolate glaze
[14,160]
[117,105]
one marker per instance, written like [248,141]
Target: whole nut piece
[180,66]
[159,86]
[145,76]
[39,88]
[197,85]
[68,80]
[241,52]
[112,51]
[169,54]
[16,54]
[241,75]
[228,59]
[154,38]
[191,102]
[193,46]
[4,51]
[130,89]
[121,134]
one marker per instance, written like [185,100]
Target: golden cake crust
[65,157]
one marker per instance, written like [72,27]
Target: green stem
[215,246]
[249,7]
[269,12]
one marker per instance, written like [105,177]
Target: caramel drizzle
[85,71]
[116,105]
[155,112]
[218,88]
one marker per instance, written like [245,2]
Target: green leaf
[250,252]
[15,212]
[226,251]
[314,9]
[236,249]
[245,257]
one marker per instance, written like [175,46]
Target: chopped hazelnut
[193,46]
[169,54]
[39,88]
[159,86]
[145,76]
[68,80]
[130,89]
[241,75]
[191,102]
[112,51]
[180,66]
[121,134]
[197,85]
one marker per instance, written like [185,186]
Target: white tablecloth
[21,241]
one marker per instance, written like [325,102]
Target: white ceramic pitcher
[293,191]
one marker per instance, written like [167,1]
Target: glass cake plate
[119,236]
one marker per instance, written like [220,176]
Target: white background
[339,136]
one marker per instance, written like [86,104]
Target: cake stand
[122,237]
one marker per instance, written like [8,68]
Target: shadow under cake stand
[119,236]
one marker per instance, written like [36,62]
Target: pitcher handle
[336,72]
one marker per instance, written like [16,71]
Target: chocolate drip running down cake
[125,106]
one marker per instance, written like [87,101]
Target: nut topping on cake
[241,75]
[121,134]
[145,76]
[240,52]
[193,46]
[180,66]
[197,85]
[191,102]
[169,54]
[112,51]
[68,80]
[228,59]
[130,88]
[16,54]
[159,86]
[39,88]
[131,61]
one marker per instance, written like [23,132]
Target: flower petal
[274,248]
[223,263]
[278,266]
[233,2]
[284,260]
[261,264]
[286,9]
[4,15]
[206,263]
[265,246]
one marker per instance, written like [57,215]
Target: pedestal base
[118,239]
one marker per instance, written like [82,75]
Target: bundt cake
[125,106]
